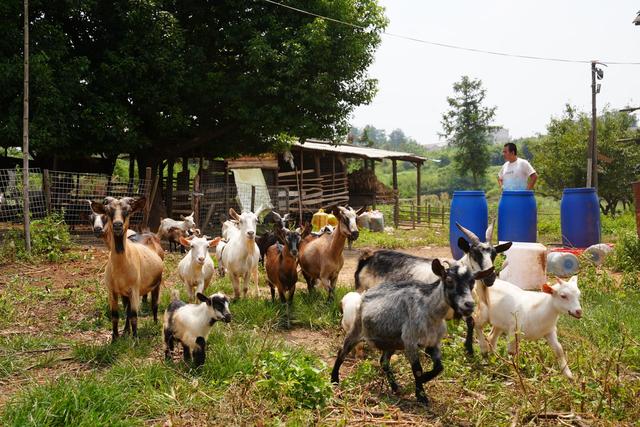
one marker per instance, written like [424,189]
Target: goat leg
[349,343]
[113,304]
[126,303]
[414,358]
[199,351]
[168,344]
[436,357]
[468,342]
[155,295]
[186,353]
[386,367]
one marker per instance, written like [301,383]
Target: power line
[451,46]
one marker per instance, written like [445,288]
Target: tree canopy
[467,125]
[561,156]
[165,77]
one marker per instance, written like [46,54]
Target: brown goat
[281,264]
[133,269]
[321,257]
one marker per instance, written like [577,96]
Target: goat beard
[118,242]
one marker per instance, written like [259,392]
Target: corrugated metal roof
[358,151]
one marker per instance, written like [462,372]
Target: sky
[415,79]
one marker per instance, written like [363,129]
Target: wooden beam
[396,207]
[316,159]
[418,167]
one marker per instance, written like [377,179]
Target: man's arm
[532,181]
[500,182]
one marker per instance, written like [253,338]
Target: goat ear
[547,289]
[503,247]
[463,244]
[233,214]
[437,268]
[98,208]
[184,242]
[138,204]
[214,242]
[202,298]
[484,273]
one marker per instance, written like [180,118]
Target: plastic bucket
[518,217]
[580,217]
[469,209]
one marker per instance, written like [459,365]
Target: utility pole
[25,133]
[592,152]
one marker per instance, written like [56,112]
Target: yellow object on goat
[332,220]
[319,220]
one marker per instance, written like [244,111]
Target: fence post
[442,222]
[46,189]
[413,215]
[253,198]
[429,213]
[196,199]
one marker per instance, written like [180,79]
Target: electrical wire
[451,46]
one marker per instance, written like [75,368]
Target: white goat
[196,268]
[190,324]
[185,225]
[240,255]
[529,315]
[349,307]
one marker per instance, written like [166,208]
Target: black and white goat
[386,266]
[190,324]
[409,315]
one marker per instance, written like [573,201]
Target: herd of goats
[400,301]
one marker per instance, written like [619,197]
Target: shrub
[50,239]
[626,254]
[293,380]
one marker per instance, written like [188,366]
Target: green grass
[403,238]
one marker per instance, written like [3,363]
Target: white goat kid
[187,223]
[240,254]
[528,315]
[196,268]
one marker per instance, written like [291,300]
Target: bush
[626,254]
[50,238]
[293,380]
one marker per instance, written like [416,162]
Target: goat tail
[362,263]
[175,295]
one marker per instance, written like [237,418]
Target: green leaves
[466,125]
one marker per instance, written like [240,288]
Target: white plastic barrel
[563,264]
[525,265]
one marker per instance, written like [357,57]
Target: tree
[561,156]
[466,126]
[164,78]
[397,138]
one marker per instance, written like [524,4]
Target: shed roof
[358,151]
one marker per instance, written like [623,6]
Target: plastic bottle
[598,252]
[562,264]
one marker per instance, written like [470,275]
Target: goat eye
[563,296]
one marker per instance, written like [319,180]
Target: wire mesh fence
[68,193]
[213,201]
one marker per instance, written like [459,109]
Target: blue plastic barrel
[580,217]
[517,217]
[469,209]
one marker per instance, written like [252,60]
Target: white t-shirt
[515,174]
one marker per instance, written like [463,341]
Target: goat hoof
[422,399]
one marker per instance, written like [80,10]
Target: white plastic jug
[525,265]
[563,264]
[597,253]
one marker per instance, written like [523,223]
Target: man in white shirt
[516,173]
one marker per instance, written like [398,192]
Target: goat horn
[472,237]
[489,234]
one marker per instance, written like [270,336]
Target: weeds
[50,240]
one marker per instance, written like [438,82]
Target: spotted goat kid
[190,324]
